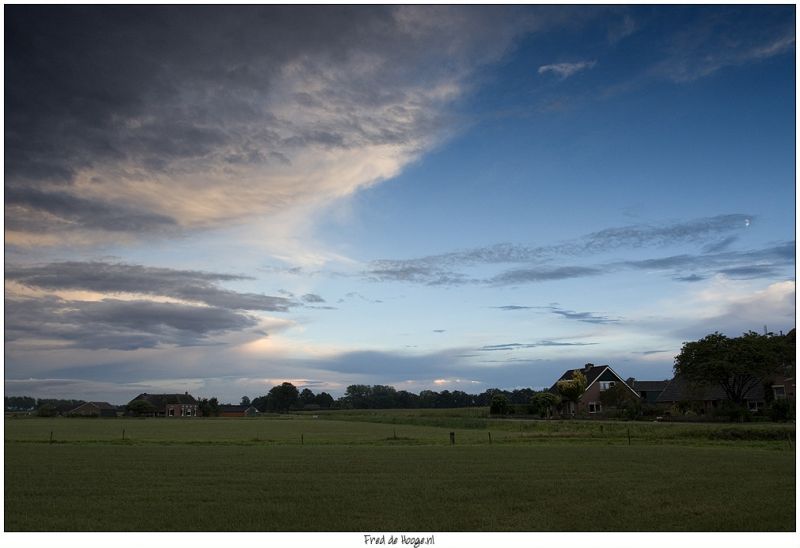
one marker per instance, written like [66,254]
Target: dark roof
[591,373]
[103,405]
[162,400]
[234,408]
[679,389]
[650,386]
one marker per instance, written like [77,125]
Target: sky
[221,199]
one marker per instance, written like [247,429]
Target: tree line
[286,397]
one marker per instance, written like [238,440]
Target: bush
[780,410]
[499,405]
[732,412]
[46,410]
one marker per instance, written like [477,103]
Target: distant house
[649,391]
[599,378]
[94,409]
[237,411]
[170,405]
[704,398]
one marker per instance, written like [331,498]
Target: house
[94,409]
[170,405]
[649,391]
[599,378]
[704,398]
[237,411]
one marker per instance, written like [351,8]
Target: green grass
[380,471]
[341,488]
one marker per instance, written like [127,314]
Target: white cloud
[565,70]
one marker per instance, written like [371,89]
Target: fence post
[123,433]
[301,440]
[452,438]
[490,438]
[629,435]
[51,436]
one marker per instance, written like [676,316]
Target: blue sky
[447,198]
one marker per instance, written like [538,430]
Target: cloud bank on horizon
[217,198]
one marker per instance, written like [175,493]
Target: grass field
[382,471]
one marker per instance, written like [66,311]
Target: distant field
[380,471]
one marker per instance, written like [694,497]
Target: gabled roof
[162,400]
[103,405]
[592,373]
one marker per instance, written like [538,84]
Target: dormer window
[605,385]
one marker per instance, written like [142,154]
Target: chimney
[186,393]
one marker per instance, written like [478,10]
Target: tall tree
[245,401]
[306,397]
[736,364]
[572,389]
[281,398]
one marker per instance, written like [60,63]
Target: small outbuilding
[94,409]
[237,411]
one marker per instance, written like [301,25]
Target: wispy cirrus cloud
[565,70]
[452,268]
[519,346]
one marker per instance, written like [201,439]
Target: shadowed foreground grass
[552,487]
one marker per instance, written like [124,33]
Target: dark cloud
[690,278]
[529,275]
[587,317]
[750,272]
[312,298]
[145,93]
[517,346]
[102,277]
[649,352]
[763,263]
[58,208]
[118,325]
[439,330]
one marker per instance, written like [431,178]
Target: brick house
[599,378]
[170,405]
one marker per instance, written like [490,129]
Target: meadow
[389,471]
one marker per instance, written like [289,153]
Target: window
[171,412]
[754,406]
[189,412]
[605,385]
[780,392]
[595,407]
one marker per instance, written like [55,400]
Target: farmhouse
[599,378]
[649,391]
[237,411]
[170,405]
[704,398]
[94,409]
